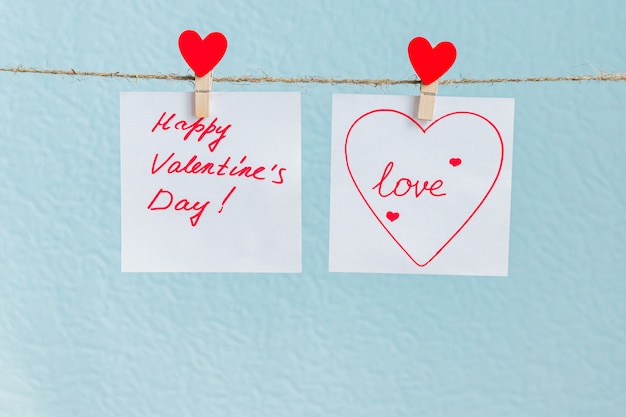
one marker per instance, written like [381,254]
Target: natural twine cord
[315,80]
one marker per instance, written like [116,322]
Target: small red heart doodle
[392,216]
[455,162]
[202,55]
[431,63]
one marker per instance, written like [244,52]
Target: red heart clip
[202,55]
[431,63]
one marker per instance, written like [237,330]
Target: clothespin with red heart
[202,55]
[430,64]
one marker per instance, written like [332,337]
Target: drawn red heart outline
[202,55]
[424,130]
[431,63]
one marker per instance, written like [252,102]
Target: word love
[209,131]
[404,185]
[164,200]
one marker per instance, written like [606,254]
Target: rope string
[313,79]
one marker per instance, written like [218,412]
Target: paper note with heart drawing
[211,194]
[409,196]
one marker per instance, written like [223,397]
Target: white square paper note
[420,197]
[215,194]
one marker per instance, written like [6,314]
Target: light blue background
[79,338]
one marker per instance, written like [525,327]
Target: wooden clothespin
[426,106]
[430,64]
[202,94]
[202,55]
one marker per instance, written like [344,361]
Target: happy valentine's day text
[213,133]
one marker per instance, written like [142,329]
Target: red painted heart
[431,63]
[455,162]
[392,216]
[202,55]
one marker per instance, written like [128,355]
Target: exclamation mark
[232,190]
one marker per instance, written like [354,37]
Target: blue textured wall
[79,338]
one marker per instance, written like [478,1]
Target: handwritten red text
[404,185]
[209,131]
[164,199]
[194,166]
